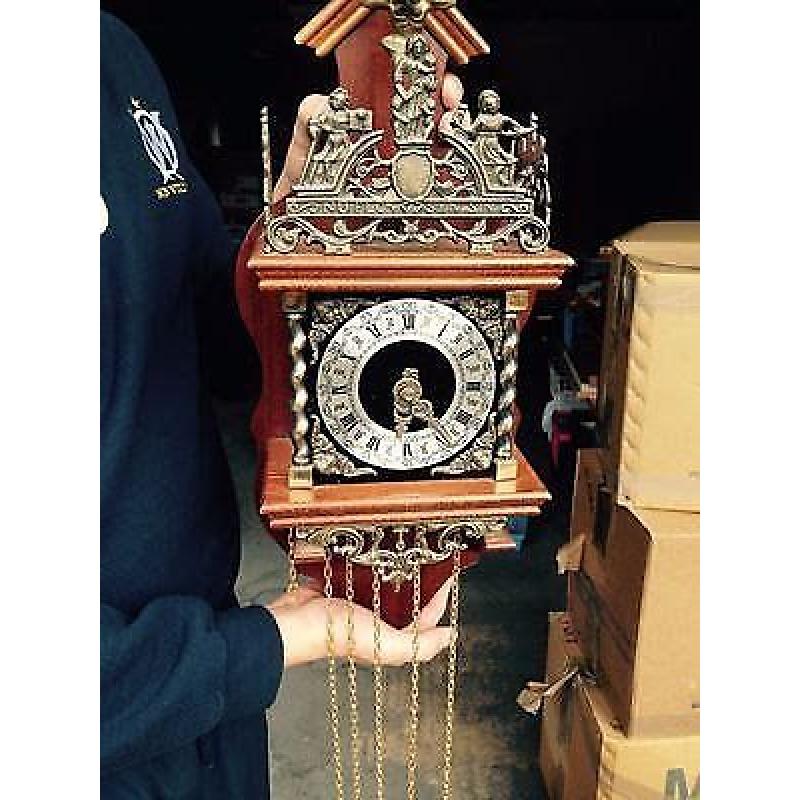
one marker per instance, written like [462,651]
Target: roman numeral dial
[406,384]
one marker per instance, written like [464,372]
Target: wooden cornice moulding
[339,18]
[413,271]
[398,502]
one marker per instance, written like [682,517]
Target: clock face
[406,384]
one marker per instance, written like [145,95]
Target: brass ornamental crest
[480,181]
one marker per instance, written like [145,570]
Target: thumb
[452,91]
[431,615]
[432,642]
[298,147]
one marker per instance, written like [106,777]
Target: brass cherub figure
[485,132]
[330,138]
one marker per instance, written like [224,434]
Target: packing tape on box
[570,555]
[689,264]
[653,294]
[683,491]
[534,693]
[532,696]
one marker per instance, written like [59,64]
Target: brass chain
[333,704]
[377,677]
[413,705]
[291,581]
[447,766]
[352,680]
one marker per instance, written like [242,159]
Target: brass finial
[409,13]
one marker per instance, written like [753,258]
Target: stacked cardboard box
[630,727]
[585,754]
[649,392]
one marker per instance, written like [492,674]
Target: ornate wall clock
[385,295]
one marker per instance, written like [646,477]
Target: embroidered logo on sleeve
[160,149]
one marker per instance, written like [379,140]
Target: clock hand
[409,404]
[407,391]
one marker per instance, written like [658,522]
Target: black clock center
[382,372]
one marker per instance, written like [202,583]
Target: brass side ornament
[396,551]
[490,187]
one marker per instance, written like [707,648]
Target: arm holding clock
[179,659]
[302,617]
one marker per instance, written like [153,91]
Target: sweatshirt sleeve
[177,670]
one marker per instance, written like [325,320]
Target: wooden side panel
[263,318]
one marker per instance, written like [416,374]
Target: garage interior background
[616,87]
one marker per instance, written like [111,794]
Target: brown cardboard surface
[674,243]
[635,604]
[604,764]
[649,389]
[585,756]
[557,714]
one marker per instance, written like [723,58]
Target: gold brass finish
[452,663]
[505,469]
[291,582]
[517,300]
[413,702]
[333,700]
[300,477]
[352,684]
[378,686]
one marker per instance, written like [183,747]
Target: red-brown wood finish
[366,70]
[260,280]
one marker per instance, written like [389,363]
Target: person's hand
[452,94]
[302,618]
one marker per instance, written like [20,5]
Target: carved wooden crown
[339,18]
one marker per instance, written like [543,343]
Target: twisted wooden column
[294,307]
[505,463]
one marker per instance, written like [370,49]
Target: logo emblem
[160,149]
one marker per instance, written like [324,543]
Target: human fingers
[452,91]
[298,147]
[452,95]
[398,646]
[433,612]
[432,642]
[298,597]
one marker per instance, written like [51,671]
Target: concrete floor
[501,646]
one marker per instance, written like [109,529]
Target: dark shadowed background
[615,82]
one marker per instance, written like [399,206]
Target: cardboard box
[562,651]
[634,600]
[593,499]
[585,756]
[604,764]
[649,388]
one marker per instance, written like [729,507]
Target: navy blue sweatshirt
[179,659]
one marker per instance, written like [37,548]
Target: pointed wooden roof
[339,18]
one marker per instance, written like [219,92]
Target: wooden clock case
[267,282]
